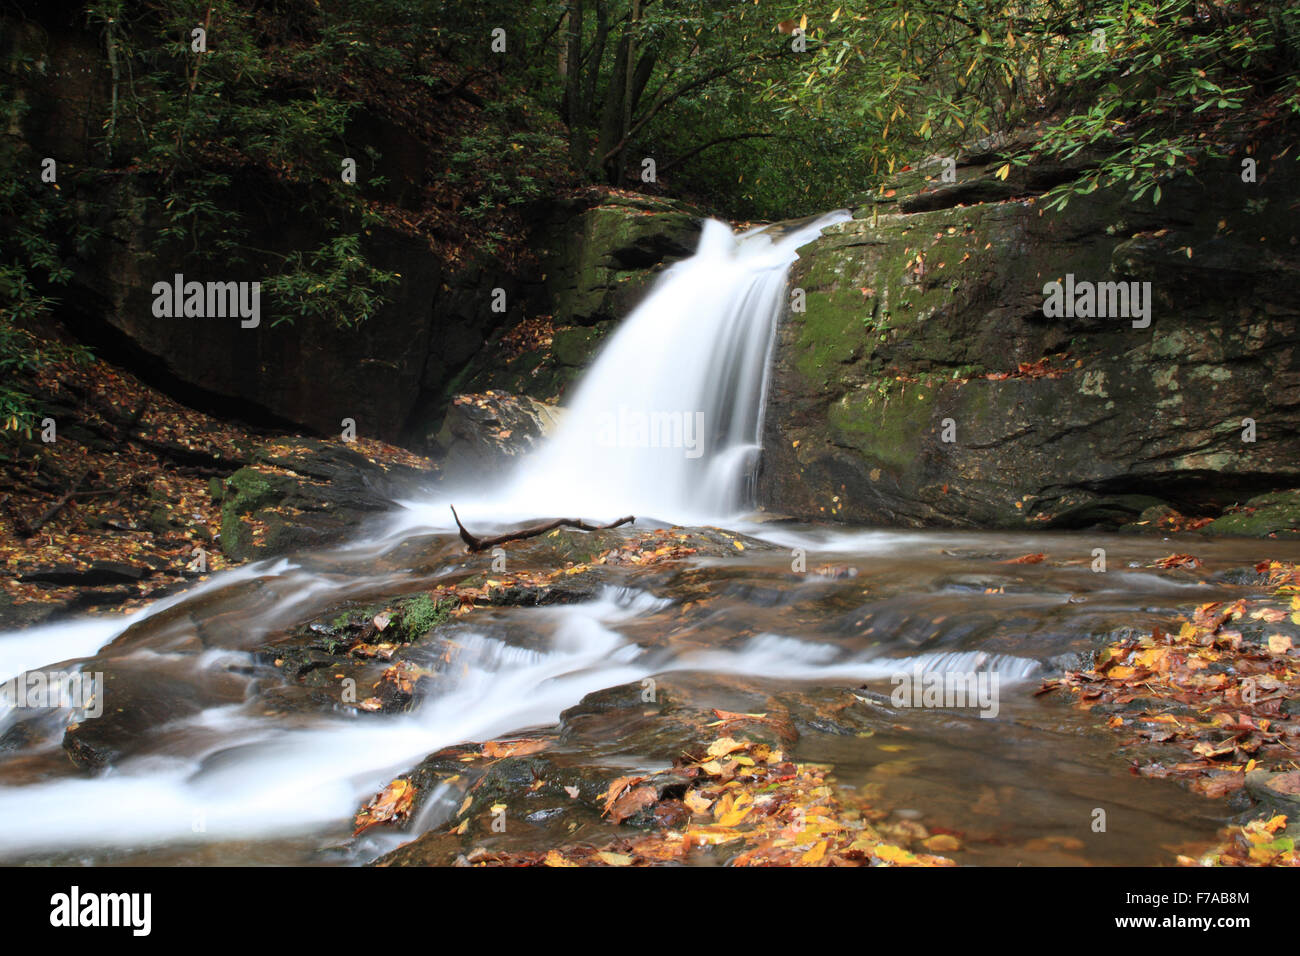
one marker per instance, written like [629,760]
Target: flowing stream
[214,767]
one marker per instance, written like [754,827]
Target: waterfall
[667,422]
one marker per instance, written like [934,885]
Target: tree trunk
[629,75]
[593,65]
[611,116]
[573,86]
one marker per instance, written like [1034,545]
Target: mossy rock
[1276,514]
[246,492]
[1060,421]
[574,347]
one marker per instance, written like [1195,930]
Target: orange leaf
[1026,559]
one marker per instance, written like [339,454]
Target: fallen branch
[204,463]
[193,457]
[53,509]
[19,522]
[476,544]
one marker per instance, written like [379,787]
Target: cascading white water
[688,368]
[667,421]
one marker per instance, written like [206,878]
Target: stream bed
[226,736]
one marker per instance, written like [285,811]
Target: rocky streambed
[656,694]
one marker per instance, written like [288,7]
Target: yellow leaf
[803,22]
[942,843]
[614,859]
[712,836]
[697,802]
[1150,659]
[815,854]
[892,854]
[725,745]
[1262,854]
[724,805]
[734,817]
[554,858]
[1279,643]
[1004,172]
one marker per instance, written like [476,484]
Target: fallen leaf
[725,745]
[1026,559]
[392,803]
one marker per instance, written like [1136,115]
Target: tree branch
[476,544]
[681,91]
[699,149]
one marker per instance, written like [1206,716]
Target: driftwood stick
[54,509]
[476,544]
[21,528]
[190,456]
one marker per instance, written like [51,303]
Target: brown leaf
[393,803]
[615,790]
[632,803]
[512,748]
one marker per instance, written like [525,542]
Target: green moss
[1275,513]
[422,614]
[830,331]
[245,492]
[574,347]
[888,426]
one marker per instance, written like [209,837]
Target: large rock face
[597,260]
[600,259]
[393,375]
[924,321]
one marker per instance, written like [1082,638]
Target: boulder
[302,493]
[924,385]
[484,433]
[599,255]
